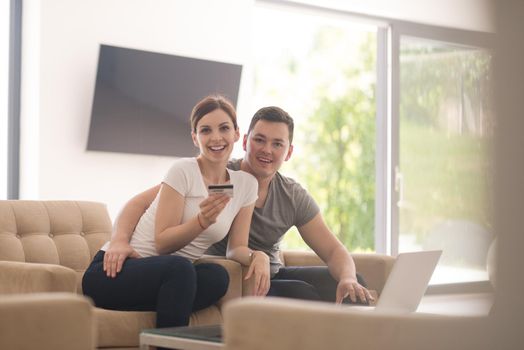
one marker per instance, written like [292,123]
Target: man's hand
[259,269]
[115,256]
[350,287]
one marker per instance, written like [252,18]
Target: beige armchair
[45,246]
[46,321]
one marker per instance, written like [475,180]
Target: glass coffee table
[186,338]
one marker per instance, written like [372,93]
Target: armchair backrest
[66,233]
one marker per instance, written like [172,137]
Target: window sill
[459,288]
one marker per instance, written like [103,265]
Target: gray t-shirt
[287,204]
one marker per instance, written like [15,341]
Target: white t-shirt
[185,178]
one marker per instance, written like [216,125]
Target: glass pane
[446,124]
[321,69]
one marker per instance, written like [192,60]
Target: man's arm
[340,263]
[125,223]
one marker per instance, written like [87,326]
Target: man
[281,204]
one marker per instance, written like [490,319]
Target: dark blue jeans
[168,284]
[306,282]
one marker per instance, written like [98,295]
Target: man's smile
[265,160]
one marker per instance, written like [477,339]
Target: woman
[182,222]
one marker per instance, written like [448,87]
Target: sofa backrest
[66,233]
[375,268]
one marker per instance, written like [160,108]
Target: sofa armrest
[281,324]
[234,269]
[22,277]
[58,321]
[375,268]
[248,286]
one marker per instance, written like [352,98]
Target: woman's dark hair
[210,103]
[276,115]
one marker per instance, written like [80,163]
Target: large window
[393,129]
[444,172]
[321,68]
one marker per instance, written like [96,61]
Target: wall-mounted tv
[143,100]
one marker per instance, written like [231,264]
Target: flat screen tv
[143,100]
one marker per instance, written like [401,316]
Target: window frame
[13,99]
[399,29]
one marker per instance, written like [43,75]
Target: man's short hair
[273,114]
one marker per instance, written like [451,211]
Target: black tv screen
[143,100]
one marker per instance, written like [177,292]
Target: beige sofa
[45,246]
[59,239]
[278,324]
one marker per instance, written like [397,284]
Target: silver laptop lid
[408,281]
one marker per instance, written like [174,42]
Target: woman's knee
[178,267]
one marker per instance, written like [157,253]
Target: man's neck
[263,182]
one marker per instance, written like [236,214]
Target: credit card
[219,189]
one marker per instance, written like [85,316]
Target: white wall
[60,48]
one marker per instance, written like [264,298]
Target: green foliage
[445,177]
[432,76]
[445,137]
[338,147]
[340,165]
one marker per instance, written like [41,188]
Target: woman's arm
[170,233]
[237,249]
[131,213]
[119,249]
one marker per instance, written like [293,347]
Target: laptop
[407,282]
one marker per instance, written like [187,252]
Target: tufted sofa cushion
[66,233]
